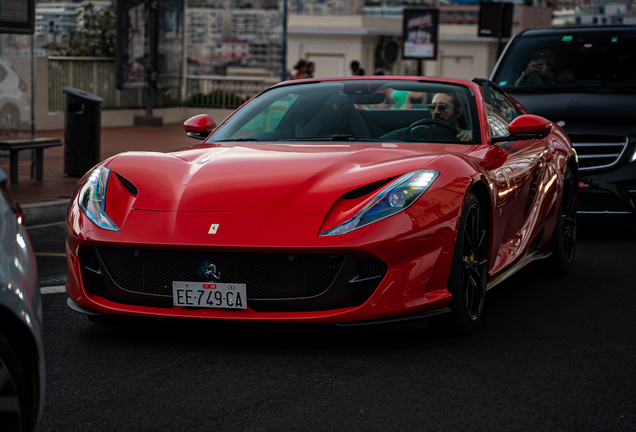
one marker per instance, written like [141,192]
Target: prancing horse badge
[213,228]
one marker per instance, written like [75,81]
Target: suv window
[576,59]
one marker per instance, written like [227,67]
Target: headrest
[336,109]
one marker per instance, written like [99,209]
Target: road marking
[55,254]
[53,289]
[58,224]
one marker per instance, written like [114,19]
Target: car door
[529,166]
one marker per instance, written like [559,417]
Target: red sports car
[344,200]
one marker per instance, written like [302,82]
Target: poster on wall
[133,43]
[170,44]
[419,34]
[17,16]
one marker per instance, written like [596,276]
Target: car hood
[585,113]
[262,177]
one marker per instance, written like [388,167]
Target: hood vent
[362,191]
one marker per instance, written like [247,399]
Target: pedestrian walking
[299,70]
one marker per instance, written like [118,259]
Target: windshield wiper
[236,139]
[599,87]
[545,88]
[336,138]
[606,87]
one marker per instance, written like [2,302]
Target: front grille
[90,260]
[371,267]
[371,272]
[602,202]
[267,275]
[598,151]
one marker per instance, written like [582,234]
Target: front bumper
[415,248]
[609,192]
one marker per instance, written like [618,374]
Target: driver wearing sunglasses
[446,107]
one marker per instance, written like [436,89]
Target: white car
[15,109]
[22,373]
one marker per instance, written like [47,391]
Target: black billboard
[17,16]
[420,34]
[495,19]
[134,43]
[170,49]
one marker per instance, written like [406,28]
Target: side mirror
[199,126]
[527,126]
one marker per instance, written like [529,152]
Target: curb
[43,213]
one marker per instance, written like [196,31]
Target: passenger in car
[446,106]
[544,69]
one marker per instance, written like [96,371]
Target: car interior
[351,110]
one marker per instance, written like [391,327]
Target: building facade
[333,41]
[250,24]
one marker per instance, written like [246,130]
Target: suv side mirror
[199,126]
[527,126]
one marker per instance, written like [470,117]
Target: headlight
[394,198]
[92,198]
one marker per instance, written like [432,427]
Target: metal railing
[222,91]
[97,75]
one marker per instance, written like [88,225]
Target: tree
[95,35]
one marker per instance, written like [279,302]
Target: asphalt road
[551,354]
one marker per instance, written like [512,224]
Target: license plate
[210,295]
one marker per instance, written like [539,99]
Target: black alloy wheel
[563,244]
[468,278]
[13,391]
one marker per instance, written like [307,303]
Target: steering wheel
[432,122]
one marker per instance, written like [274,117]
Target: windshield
[357,110]
[594,59]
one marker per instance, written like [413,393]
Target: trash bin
[82,131]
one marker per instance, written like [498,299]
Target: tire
[563,243]
[14,401]
[469,269]
[9,121]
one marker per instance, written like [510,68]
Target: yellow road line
[54,254]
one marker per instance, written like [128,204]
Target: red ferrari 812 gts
[345,200]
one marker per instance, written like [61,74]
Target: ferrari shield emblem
[213,228]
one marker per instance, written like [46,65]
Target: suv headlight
[92,198]
[394,198]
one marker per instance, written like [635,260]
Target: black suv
[583,78]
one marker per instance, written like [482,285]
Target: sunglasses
[442,107]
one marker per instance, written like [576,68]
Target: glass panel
[391,110]
[268,119]
[570,60]
[500,109]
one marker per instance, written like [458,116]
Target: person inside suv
[544,69]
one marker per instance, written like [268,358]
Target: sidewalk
[45,201]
